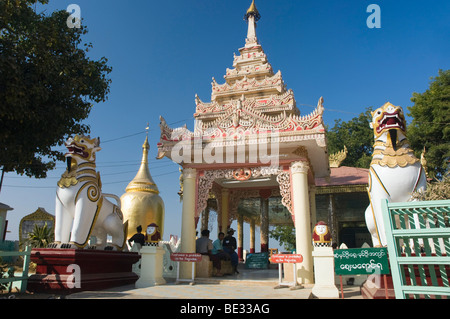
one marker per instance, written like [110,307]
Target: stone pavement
[253,284]
[198,291]
[205,291]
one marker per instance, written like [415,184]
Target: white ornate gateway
[81,208]
[250,141]
[395,173]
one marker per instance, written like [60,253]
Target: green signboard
[257,261]
[362,261]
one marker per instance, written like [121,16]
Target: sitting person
[137,238]
[204,246]
[218,248]
[229,246]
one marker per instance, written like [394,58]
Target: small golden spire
[253,11]
[143,180]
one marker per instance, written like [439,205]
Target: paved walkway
[198,291]
[254,284]
[206,291]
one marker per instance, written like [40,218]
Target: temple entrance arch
[225,186]
[289,182]
[250,141]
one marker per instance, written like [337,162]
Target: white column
[300,203]
[188,219]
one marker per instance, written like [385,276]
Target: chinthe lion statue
[82,210]
[395,173]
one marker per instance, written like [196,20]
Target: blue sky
[165,52]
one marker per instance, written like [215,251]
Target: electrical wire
[103,183]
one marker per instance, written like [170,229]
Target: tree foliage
[357,136]
[430,127]
[48,86]
[285,235]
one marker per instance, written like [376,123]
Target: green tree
[285,235]
[430,126]
[40,237]
[357,136]
[48,86]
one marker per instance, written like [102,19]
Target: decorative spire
[252,11]
[252,16]
[143,181]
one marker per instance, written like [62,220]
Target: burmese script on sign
[362,261]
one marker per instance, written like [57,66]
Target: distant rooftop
[344,179]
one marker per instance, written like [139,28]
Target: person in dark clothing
[138,238]
[229,246]
[204,246]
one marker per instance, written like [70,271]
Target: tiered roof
[253,101]
[251,84]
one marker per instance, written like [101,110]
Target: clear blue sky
[164,52]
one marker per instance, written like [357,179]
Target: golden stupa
[141,203]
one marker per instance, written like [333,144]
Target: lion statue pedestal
[73,270]
[70,263]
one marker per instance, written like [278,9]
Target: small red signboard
[186,257]
[286,258]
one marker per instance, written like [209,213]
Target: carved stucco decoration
[206,185]
[284,180]
[244,120]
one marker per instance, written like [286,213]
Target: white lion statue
[395,173]
[82,210]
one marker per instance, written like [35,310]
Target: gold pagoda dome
[141,203]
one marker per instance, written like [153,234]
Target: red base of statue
[73,270]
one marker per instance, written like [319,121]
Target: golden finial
[253,11]
[143,180]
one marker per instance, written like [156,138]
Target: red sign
[187,257]
[286,259]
